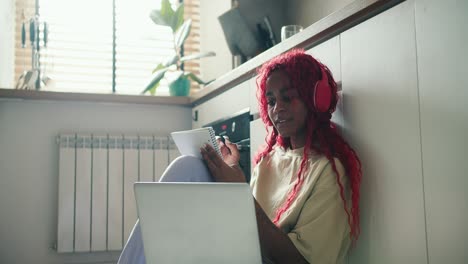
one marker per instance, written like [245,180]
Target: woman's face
[286,110]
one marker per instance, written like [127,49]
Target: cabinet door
[223,105]
[381,114]
[257,137]
[328,53]
[253,101]
[442,37]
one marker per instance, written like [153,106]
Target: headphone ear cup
[322,94]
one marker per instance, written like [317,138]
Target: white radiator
[96,204]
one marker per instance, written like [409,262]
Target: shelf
[92,97]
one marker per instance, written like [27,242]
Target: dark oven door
[237,128]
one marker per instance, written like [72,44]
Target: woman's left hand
[221,171]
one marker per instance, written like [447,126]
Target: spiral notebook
[189,142]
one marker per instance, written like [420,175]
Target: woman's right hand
[220,170]
[229,150]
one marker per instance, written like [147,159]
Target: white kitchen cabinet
[221,106]
[253,102]
[257,137]
[442,37]
[329,54]
[381,122]
[257,129]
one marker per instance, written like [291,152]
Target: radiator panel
[161,158]
[96,208]
[115,200]
[83,196]
[99,197]
[146,157]
[65,230]
[131,176]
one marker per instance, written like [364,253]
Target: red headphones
[322,93]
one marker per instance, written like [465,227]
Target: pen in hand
[242,144]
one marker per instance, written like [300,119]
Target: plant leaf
[182,33]
[197,56]
[171,61]
[153,89]
[155,79]
[195,78]
[166,12]
[178,18]
[157,18]
[159,67]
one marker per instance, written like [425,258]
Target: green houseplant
[179,85]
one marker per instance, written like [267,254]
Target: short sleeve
[321,233]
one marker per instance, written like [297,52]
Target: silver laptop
[198,223]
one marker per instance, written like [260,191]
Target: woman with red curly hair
[306,179]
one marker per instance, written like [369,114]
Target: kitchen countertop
[322,30]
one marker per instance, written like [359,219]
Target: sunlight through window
[80,53]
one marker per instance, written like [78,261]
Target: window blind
[140,45]
[80,53]
[24,9]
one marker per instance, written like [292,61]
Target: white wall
[7,17]
[307,12]
[212,36]
[212,39]
[29,167]
[381,114]
[442,37]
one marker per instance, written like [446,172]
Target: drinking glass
[289,30]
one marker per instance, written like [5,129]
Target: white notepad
[189,142]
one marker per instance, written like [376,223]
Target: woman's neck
[295,144]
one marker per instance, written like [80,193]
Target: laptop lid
[198,223]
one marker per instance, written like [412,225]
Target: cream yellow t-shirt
[316,222]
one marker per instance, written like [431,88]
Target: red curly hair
[322,136]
